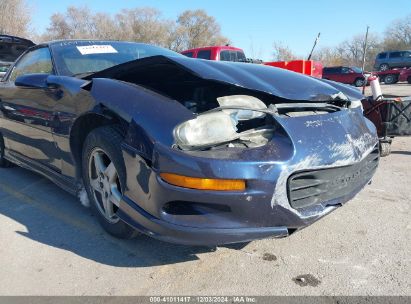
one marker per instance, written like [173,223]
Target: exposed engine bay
[229,113]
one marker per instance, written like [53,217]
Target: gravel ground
[51,245]
[398,89]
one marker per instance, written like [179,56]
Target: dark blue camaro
[185,150]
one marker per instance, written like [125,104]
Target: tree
[76,23]
[398,34]
[351,51]
[14,18]
[196,29]
[144,25]
[104,27]
[328,56]
[282,52]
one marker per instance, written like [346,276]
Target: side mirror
[32,81]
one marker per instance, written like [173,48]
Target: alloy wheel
[384,67]
[389,79]
[359,83]
[105,184]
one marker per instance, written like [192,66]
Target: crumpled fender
[144,110]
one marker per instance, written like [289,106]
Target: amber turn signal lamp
[204,183]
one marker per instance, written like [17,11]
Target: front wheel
[104,175]
[390,79]
[409,80]
[359,82]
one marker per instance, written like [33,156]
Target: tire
[102,155]
[384,67]
[4,163]
[359,82]
[385,149]
[390,79]
[409,80]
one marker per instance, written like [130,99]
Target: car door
[396,59]
[330,73]
[28,112]
[407,59]
[346,75]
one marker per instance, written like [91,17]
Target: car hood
[279,82]
[11,48]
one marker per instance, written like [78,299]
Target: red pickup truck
[230,53]
[219,53]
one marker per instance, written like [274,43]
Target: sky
[255,25]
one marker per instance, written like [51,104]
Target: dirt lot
[51,245]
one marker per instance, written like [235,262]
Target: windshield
[356,69]
[85,57]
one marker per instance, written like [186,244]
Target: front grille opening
[190,208]
[297,109]
[314,187]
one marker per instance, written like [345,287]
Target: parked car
[218,53]
[11,48]
[345,74]
[184,150]
[395,75]
[393,59]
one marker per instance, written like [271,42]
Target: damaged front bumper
[309,168]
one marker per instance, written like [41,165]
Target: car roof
[220,47]
[394,51]
[57,42]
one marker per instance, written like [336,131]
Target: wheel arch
[85,124]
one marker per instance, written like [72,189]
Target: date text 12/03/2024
[202,299]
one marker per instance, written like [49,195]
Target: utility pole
[364,53]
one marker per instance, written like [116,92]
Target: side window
[36,61]
[407,54]
[205,54]
[395,54]
[382,56]
[345,70]
[188,54]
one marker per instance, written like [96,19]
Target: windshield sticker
[96,49]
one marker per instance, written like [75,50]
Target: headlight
[206,130]
[243,101]
[356,104]
[215,128]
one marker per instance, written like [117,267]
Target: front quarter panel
[148,111]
